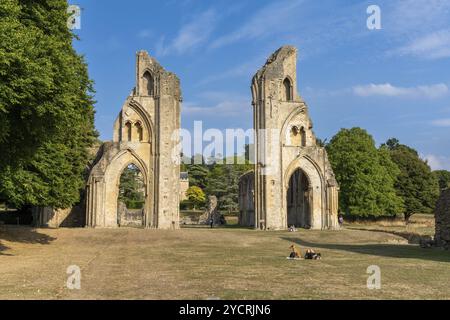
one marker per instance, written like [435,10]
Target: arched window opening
[139,131]
[148,84]
[287,90]
[128,131]
[131,199]
[295,136]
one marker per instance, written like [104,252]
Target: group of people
[309,254]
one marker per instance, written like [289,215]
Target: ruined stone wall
[146,135]
[47,217]
[184,186]
[284,143]
[442,216]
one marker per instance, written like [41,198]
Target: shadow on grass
[381,250]
[21,234]
[4,248]
[412,237]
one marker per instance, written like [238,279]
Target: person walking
[341,221]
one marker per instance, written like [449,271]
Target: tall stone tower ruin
[145,135]
[292,182]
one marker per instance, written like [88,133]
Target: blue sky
[394,82]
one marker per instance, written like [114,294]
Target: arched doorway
[131,197]
[299,199]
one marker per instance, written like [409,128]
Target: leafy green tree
[131,188]
[198,174]
[223,182]
[196,196]
[365,174]
[416,183]
[443,177]
[46,106]
[218,185]
[198,171]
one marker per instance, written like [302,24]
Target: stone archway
[284,142]
[112,179]
[312,213]
[142,136]
[299,198]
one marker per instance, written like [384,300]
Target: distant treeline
[374,182]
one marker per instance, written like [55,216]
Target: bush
[134,204]
[186,205]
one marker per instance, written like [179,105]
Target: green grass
[229,263]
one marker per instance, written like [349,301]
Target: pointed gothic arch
[109,197]
[128,131]
[149,84]
[287,89]
[139,131]
[315,185]
[145,121]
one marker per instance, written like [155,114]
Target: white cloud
[416,16]
[218,103]
[271,19]
[434,45]
[438,162]
[224,108]
[427,91]
[246,69]
[191,35]
[441,122]
[419,27]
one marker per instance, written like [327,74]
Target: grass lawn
[227,263]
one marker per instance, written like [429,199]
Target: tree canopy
[196,196]
[131,188]
[365,174]
[46,106]
[443,177]
[219,179]
[416,184]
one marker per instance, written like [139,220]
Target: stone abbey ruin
[292,182]
[142,137]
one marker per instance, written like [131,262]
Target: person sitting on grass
[295,253]
[311,254]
